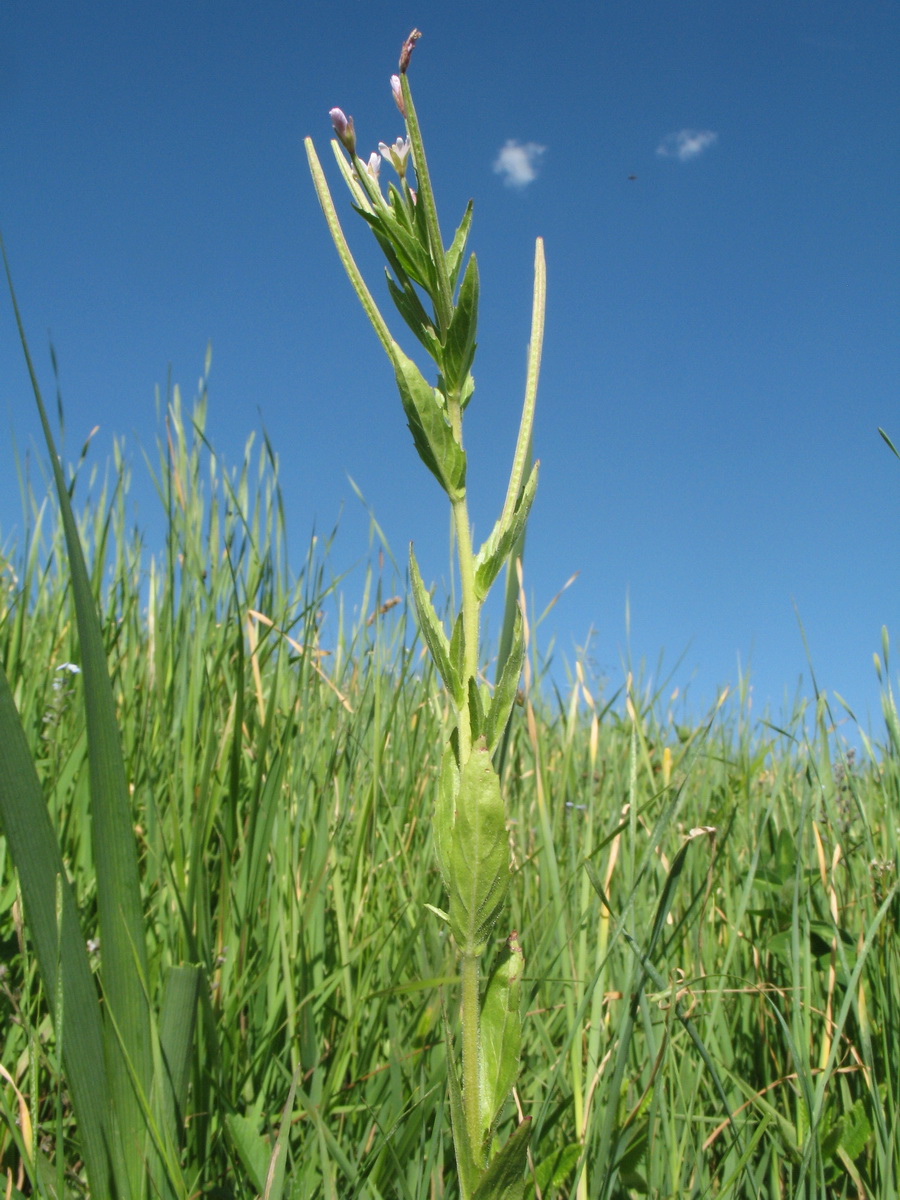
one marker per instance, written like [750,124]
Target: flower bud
[408,47]
[398,95]
[343,127]
[373,166]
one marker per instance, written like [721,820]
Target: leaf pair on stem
[438,300]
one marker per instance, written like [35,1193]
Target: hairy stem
[471,1052]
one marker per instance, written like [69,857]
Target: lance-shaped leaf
[459,345]
[501,1033]
[465,394]
[495,551]
[455,254]
[252,1148]
[432,631]
[458,655]
[426,217]
[119,905]
[58,942]
[176,1034]
[504,1178]
[445,813]
[479,866]
[507,687]
[433,437]
[476,709]
[413,313]
[392,232]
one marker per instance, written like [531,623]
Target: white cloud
[686,144]
[518,163]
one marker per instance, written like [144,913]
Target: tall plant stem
[471,1051]
[470,964]
[471,606]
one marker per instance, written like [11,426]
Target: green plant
[127,1065]
[435,291]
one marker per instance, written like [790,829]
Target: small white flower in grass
[397,153]
[68,669]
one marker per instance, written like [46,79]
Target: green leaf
[476,709]
[426,217]
[633,1157]
[857,1130]
[495,551]
[465,394]
[252,1148]
[504,1178]
[479,867]
[888,441]
[457,249]
[507,687]
[785,858]
[459,344]
[406,249]
[32,843]
[501,1033]
[413,313]
[458,656]
[432,435]
[119,904]
[177,1021]
[432,631]
[551,1173]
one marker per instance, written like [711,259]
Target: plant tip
[343,127]
[408,47]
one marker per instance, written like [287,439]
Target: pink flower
[398,95]
[397,153]
[343,127]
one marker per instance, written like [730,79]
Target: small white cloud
[518,163]
[686,143]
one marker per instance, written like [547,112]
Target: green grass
[724,1021]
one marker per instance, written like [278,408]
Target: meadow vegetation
[712,983]
[236,800]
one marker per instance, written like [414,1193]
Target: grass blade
[124,955]
[32,842]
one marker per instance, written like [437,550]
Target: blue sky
[722,332]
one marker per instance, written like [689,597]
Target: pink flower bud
[343,127]
[398,95]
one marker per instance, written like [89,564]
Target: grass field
[708,914]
